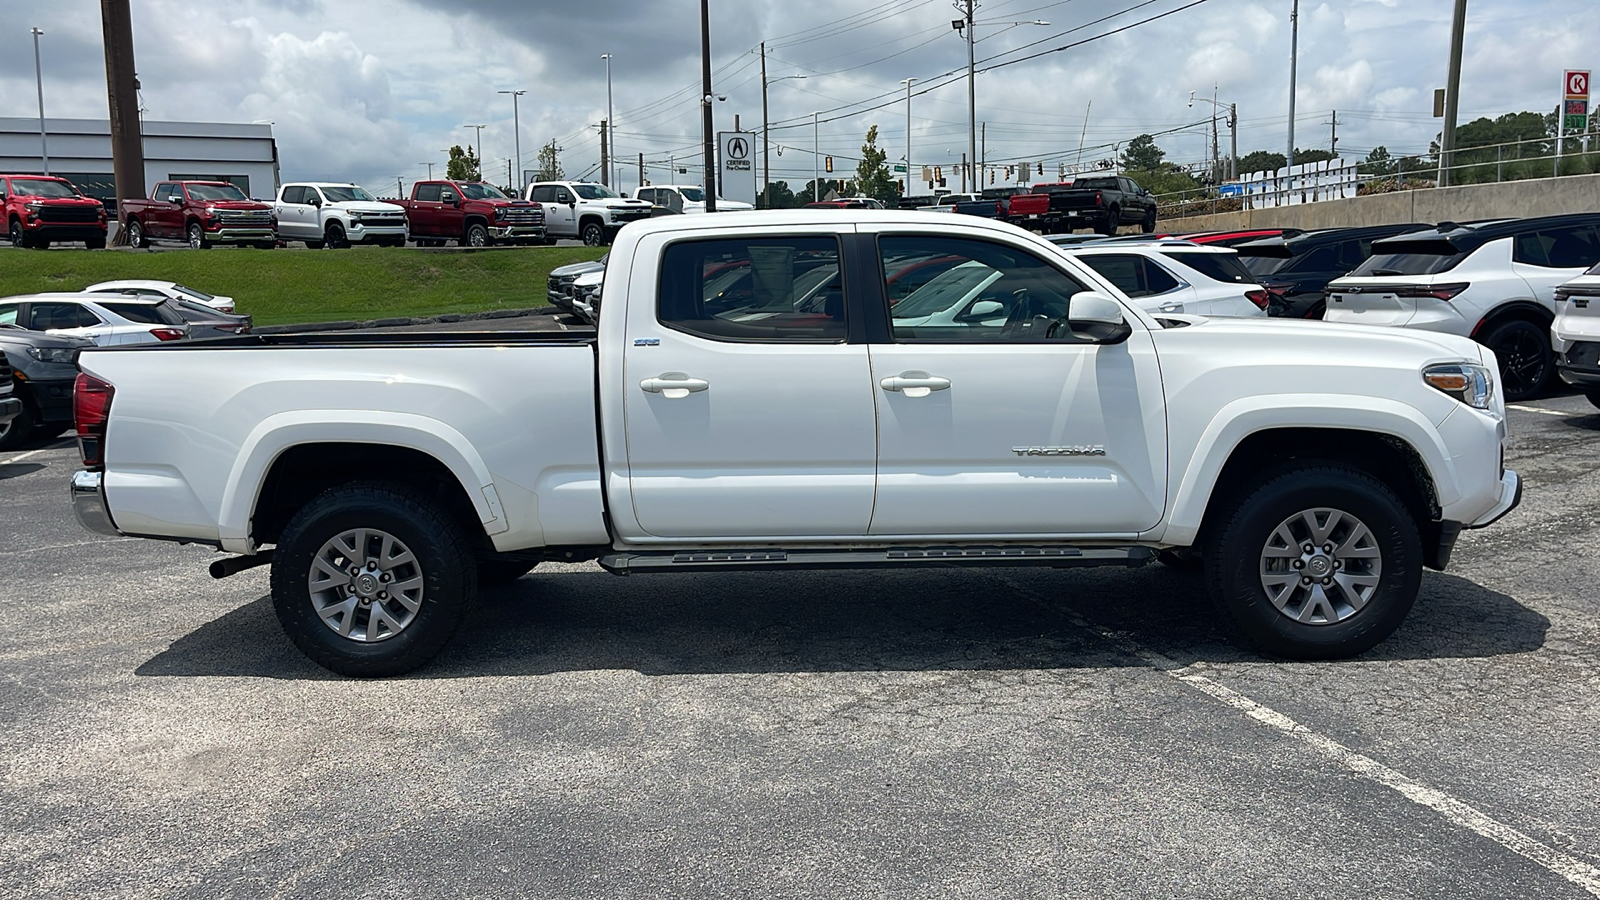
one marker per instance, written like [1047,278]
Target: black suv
[1296,268]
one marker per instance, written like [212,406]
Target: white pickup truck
[592,213]
[755,399]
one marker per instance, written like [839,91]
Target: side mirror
[447,197]
[175,199]
[979,310]
[1097,319]
[315,201]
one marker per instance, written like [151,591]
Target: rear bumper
[1579,363]
[89,503]
[10,408]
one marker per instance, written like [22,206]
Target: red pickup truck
[200,213]
[39,209]
[473,213]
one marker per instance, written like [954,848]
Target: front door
[994,419]
[560,216]
[748,411]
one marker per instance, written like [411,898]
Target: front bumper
[52,399]
[1510,496]
[241,235]
[58,231]
[361,233]
[89,502]
[517,232]
[10,408]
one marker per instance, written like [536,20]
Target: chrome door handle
[1172,306]
[674,385]
[915,384]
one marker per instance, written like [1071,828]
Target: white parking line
[31,453]
[1548,412]
[1574,870]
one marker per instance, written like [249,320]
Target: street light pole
[38,77]
[907,82]
[479,138]
[516,126]
[766,142]
[972,99]
[816,148]
[611,127]
[708,135]
[1294,66]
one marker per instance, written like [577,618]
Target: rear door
[749,410]
[1551,257]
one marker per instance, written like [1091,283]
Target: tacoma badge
[1086,450]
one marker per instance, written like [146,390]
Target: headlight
[53,354]
[36,205]
[1470,383]
[357,218]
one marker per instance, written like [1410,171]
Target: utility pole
[430,170]
[983,157]
[1216,145]
[1452,94]
[766,138]
[966,7]
[908,82]
[816,151]
[38,79]
[709,137]
[1233,140]
[399,186]
[1333,141]
[1083,134]
[516,126]
[605,160]
[641,168]
[479,138]
[611,117]
[1294,66]
[122,92]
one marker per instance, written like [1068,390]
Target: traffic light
[991,176]
[827,164]
[1041,167]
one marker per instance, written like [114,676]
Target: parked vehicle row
[323,214]
[201,214]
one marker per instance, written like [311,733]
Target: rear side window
[46,316]
[1384,264]
[1558,248]
[146,313]
[756,289]
[429,192]
[1223,267]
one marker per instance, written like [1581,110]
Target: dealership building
[80,151]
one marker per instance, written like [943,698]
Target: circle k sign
[1577,85]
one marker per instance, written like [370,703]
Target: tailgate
[1369,305]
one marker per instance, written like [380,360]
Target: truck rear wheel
[370,579]
[1315,561]
[16,432]
[1112,222]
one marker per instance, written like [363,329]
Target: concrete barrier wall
[1507,199]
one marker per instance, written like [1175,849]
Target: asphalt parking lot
[960,733]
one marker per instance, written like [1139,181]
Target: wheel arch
[588,217]
[1526,310]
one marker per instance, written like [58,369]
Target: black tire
[496,572]
[1189,561]
[17,432]
[1112,222]
[314,245]
[95,243]
[1237,554]
[197,237]
[548,242]
[477,235]
[19,238]
[335,236]
[443,556]
[593,234]
[267,245]
[136,236]
[1523,351]
[1148,223]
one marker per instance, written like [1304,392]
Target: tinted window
[1351,253]
[993,293]
[1132,274]
[646,194]
[543,193]
[1319,259]
[8,314]
[294,194]
[46,316]
[429,192]
[145,313]
[1103,183]
[1383,264]
[1223,267]
[346,194]
[1266,265]
[758,289]
[1558,248]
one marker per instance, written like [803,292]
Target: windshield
[346,194]
[595,192]
[693,195]
[40,187]
[202,295]
[945,291]
[482,192]
[215,192]
[1103,183]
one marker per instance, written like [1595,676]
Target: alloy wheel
[1321,566]
[366,585]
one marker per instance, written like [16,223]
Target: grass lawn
[281,287]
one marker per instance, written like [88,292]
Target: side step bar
[1051,556]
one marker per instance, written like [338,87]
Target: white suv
[685,198]
[324,214]
[593,213]
[1575,336]
[1177,276]
[1493,281]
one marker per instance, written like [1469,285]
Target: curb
[405,320]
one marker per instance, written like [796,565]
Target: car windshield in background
[346,194]
[1386,264]
[1223,267]
[1108,184]
[39,187]
[482,192]
[192,292]
[693,195]
[215,192]
[598,192]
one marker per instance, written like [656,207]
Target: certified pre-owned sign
[738,169]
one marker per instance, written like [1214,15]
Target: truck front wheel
[19,238]
[477,235]
[371,579]
[1148,224]
[1315,561]
[197,237]
[336,237]
[593,234]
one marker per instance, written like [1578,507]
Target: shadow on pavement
[924,620]
[17,470]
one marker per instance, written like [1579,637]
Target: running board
[1051,556]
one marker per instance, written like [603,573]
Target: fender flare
[278,433]
[1238,420]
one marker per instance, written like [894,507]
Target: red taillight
[167,334]
[1098,199]
[1261,298]
[1444,292]
[91,402]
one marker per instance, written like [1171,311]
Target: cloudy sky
[368,90]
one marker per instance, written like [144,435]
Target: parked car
[1235,238]
[337,215]
[106,320]
[473,214]
[1102,202]
[10,404]
[202,321]
[1493,281]
[43,367]
[686,198]
[1575,336]
[39,210]
[795,425]
[558,286]
[169,289]
[586,295]
[201,214]
[1176,277]
[1296,269]
[592,213]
